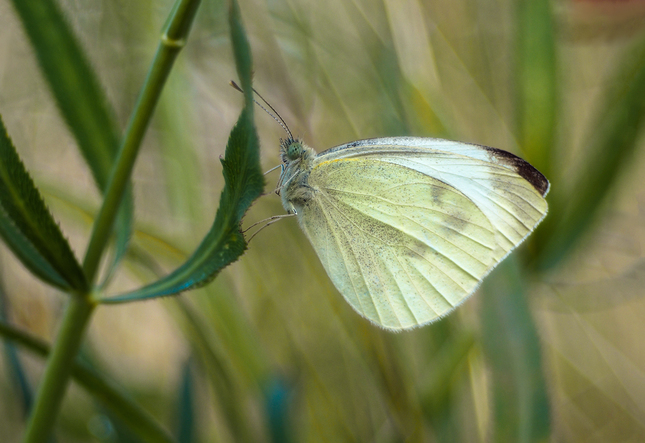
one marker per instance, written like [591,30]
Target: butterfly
[407,227]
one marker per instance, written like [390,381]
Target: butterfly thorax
[297,162]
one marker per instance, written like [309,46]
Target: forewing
[407,235]
[506,188]
[402,247]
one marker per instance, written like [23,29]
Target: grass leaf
[29,229]
[186,429]
[109,394]
[612,141]
[79,96]
[244,182]
[23,393]
[535,77]
[512,347]
[73,83]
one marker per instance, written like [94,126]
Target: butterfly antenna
[276,117]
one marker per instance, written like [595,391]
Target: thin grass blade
[107,392]
[278,398]
[536,82]
[244,182]
[220,372]
[17,376]
[79,96]
[521,408]
[612,143]
[28,228]
[186,423]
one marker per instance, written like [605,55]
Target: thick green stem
[101,388]
[79,311]
[54,382]
[172,40]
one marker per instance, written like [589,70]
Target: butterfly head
[293,150]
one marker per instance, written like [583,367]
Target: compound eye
[294,150]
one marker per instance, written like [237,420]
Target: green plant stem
[79,311]
[172,41]
[101,388]
[57,371]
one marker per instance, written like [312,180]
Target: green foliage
[74,84]
[244,182]
[242,55]
[108,393]
[29,229]
[23,393]
[79,97]
[224,243]
[612,140]
[521,408]
[536,82]
[275,353]
[186,426]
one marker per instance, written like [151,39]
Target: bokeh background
[269,351]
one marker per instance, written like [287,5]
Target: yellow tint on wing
[401,246]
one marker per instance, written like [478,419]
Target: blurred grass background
[270,351]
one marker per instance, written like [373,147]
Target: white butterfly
[407,227]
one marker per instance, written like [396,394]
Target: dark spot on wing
[437,193]
[522,167]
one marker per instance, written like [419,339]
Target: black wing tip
[523,168]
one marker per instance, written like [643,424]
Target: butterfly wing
[407,227]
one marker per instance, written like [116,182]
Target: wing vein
[411,206]
[435,233]
[411,250]
[330,219]
[421,293]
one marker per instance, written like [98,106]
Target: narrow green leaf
[446,363]
[244,182]
[23,392]
[612,142]
[79,96]
[73,83]
[224,243]
[242,54]
[278,398]
[512,347]
[185,411]
[170,44]
[536,94]
[123,232]
[219,369]
[385,63]
[29,229]
[109,394]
